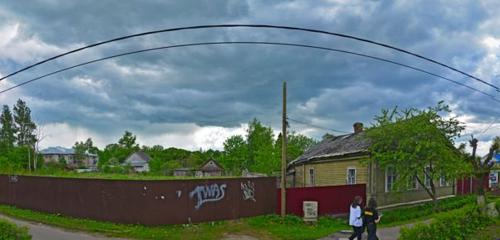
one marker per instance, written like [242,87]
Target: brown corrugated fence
[148,202]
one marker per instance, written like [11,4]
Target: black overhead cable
[255,43]
[254,26]
[315,126]
[489,126]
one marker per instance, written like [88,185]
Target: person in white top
[356,218]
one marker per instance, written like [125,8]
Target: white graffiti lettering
[248,191]
[13,179]
[179,192]
[208,193]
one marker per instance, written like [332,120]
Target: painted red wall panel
[469,185]
[331,199]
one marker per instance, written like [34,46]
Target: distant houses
[136,162]
[211,168]
[139,161]
[183,172]
[68,157]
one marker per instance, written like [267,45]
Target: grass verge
[269,227]
[421,212]
[9,230]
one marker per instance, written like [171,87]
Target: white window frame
[312,177]
[387,189]
[347,175]
[441,178]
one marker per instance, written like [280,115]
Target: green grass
[293,228]
[269,227]
[10,231]
[404,215]
[491,232]
[207,231]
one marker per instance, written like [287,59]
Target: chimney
[358,127]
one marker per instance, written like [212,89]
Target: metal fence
[148,202]
[331,199]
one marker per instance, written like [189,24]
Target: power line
[254,26]
[488,128]
[316,126]
[255,43]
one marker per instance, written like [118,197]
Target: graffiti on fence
[13,179]
[179,193]
[208,193]
[248,191]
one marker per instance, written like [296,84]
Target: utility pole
[283,155]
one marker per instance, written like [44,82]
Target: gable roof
[337,147]
[57,150]
[211,166]
[137,159]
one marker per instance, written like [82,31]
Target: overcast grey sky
[195,97]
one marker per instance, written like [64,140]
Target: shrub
[9,231]
[453,225]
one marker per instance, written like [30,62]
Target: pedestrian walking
[356,218]
[371,218]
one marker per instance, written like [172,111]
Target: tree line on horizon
[259,150]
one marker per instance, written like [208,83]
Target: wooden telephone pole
[283,155]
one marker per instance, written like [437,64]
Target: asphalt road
[44,232]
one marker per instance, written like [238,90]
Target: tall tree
[235,157]
[417,144]
[297,144]
[260,141]
[80,152]
[7,130]
[127,141]
[89,144]
[24,125]
[82,149]
[481,167]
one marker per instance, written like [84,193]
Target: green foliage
[399,215]
[115,154]
[7,130]
[235,157]
[15,159]
[127,141]
[9,231]
[259,152]
[260,140]
[17,137]
[411,140]
[83,148]
[452,225]
[297,144]
[24,126]
[262,227]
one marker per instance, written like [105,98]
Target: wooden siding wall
[330,173]
[334,173]
[387,198]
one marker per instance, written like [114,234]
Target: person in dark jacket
[371,218]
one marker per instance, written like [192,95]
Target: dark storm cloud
[229,85]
